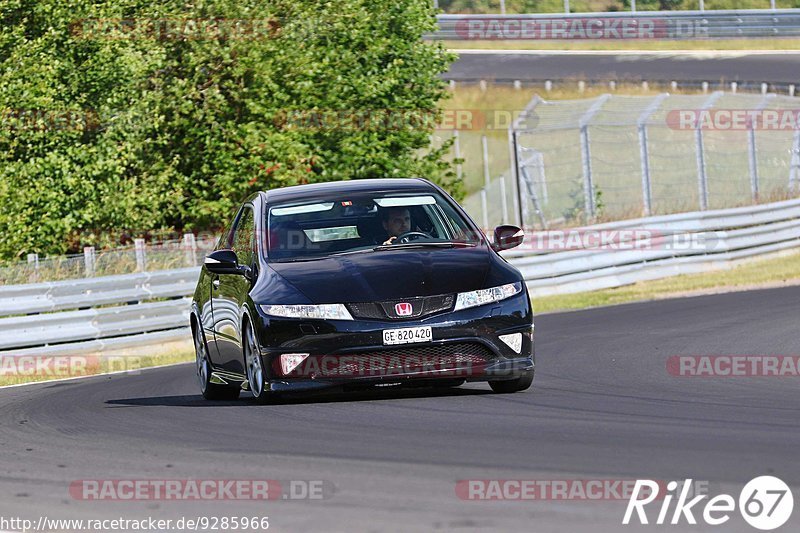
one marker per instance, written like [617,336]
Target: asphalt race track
[635,66]
[603,407]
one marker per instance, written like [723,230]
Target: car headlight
[324,311]
[466,300]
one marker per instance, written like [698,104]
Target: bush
[133,114]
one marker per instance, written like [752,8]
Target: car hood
[388,275]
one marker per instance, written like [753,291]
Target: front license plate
[407,335]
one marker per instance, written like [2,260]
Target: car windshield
[365,224]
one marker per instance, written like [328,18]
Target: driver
[396,221]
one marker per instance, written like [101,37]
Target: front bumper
[465,346]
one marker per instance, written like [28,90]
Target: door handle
[215,283]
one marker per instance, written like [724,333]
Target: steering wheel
[409,236]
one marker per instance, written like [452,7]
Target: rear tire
[256,377]
[210,391]
[513,385]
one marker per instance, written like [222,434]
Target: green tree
[151,115]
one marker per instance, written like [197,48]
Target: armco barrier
[91,292]
[70,321]
[660,25]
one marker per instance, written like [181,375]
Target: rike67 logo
[766,503]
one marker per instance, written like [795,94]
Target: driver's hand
[389,240]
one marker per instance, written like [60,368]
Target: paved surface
[603,407]
[711,67]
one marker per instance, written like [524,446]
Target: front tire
[256,377]
[210,391]
[513,385]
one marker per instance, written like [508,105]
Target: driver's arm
[389,240]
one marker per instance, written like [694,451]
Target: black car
[359,283]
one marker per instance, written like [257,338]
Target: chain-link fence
[565,163]
[618,157]
[141,257]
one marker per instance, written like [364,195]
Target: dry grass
[777,271]
[15,370]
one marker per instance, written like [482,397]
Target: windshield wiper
[443,244]
[351,252]
[318,257]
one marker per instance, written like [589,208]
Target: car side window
[243,241]
[225,241]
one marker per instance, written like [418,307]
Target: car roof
[315,191]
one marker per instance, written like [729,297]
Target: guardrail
[643,25]
[123,311]
[96,313]
[658,247]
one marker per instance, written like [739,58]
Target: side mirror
[507,237]
[222,262]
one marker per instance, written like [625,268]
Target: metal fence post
[33,260]
[515,176]
[485,209]
[503,7]
[586,160]
[485,144]
[641,125]
[702,178]
[751,145]
[190,249]
[751,160]
[586,155]
[503,200]
[538,158]
[88,260]
[141,255]
[647,189]
[566,6]
[457,146]
[794,167]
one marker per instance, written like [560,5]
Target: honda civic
[359,284]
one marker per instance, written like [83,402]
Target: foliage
[145,115]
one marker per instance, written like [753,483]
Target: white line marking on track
[48,381]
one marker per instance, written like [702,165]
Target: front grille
[367,310]
[420,307]
[458,359]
